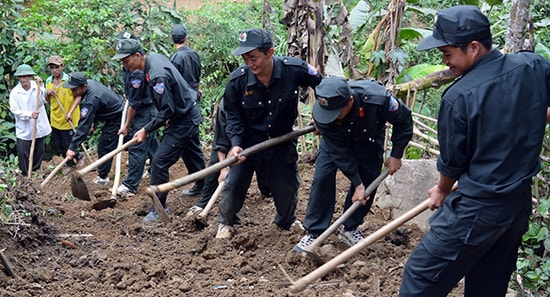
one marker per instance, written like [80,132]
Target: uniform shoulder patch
[84,112]
[136,83]
[292,61]
[394,104]
[311,70]
[237,73]
[159,88]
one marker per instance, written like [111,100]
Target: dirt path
[58,246]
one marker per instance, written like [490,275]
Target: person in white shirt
[26,111]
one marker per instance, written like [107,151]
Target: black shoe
[195,190]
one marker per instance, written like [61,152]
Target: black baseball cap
[332,95]
[455,26]
[178,33]
[252,39]
[76,79]
[126,35]
[125,48]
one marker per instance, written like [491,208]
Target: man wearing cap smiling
[177,106]
[490,128]
[261,102]
[97,104]
[351,118]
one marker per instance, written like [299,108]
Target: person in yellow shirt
[61,116]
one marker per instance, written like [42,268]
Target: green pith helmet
[24,70]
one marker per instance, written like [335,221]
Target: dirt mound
[57,245]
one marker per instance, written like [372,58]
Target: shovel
[311,250]
[33,141]
[55,170]
[78,186]
[201,217]
[111,202]
[302,283]
[201,174]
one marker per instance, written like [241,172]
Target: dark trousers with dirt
[322,198]
[138,153]
[472,237]
[23,154]
[62,140]
[193,158]
[107,142]
[176,138]
[211,182]
[283,181]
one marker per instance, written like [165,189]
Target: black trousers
[23,154]
[176,139]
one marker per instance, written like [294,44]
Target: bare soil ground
[57,245]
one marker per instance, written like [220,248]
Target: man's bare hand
[235,152]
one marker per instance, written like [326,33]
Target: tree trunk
[517,27]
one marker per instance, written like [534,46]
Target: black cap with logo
[125,48]
[456,26]
[332,94]
[76,79]
[252,39]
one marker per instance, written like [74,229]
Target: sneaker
[224,231]
[101,181]
[153,216]
[304,243]
[351,237]
[297,226]
[79,163]
[193,211]
[124,190]
[195,190]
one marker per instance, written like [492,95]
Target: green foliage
[533,262]
[214,35]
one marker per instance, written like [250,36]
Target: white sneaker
[297,227]
[351,237]
[193,211]
[304,243]
[224,231]
[101,181]
[124,190]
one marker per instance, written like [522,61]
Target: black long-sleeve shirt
[255,112]
[491,123]
[174,99]
[366,123]
[99,103]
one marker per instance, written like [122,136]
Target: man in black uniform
[97,104]
[188,63]
[351,118]
[140,111]
[490,128]
[177,106]
[261,102]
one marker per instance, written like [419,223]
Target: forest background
[353,38]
